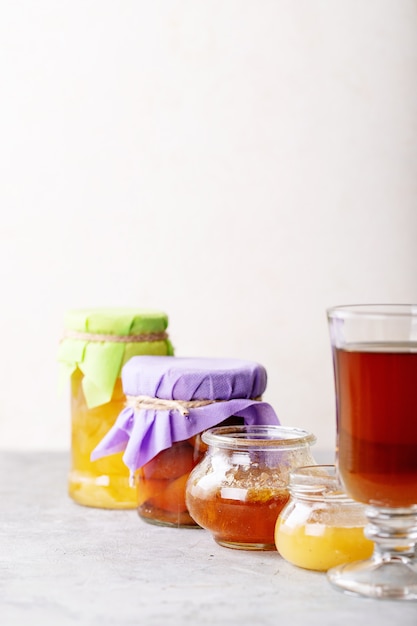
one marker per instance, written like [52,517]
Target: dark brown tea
[376,388]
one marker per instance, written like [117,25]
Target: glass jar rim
[318,482]
[257,436]
[372,311]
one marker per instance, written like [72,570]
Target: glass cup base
[393,579]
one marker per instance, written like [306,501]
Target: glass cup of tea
[375,369]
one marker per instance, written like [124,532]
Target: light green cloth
[100,361]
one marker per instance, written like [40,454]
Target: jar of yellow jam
[320,526]
[95,345]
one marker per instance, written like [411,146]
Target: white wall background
[240,164]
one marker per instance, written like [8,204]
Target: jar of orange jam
[321,527]
[241,485]
[95,345]
[170,402]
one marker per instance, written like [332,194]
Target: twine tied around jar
[159,404]
[143,337]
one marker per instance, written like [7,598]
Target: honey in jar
[241,485]
[321,527]
[95,345]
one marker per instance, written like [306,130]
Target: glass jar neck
[258,437]
[317,483]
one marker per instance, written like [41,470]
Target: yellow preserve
[320,547]
[96,345]
[104,483]
[320,527]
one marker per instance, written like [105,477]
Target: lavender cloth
[145,432]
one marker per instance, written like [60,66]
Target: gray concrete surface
[62,564]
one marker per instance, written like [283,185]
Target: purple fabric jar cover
[143,433]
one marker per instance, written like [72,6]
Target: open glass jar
[321,526]
[241,485]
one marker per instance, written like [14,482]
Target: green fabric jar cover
[100,341]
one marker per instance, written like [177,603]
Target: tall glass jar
[241,485]
[95,345]
[321,526]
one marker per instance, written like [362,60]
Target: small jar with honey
[241,485]
[95,345]
[321,527]
[170,402]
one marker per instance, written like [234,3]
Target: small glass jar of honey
[241,485]
[321,527]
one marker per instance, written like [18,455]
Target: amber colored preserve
[161,483]
[376,388]
[240,521]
